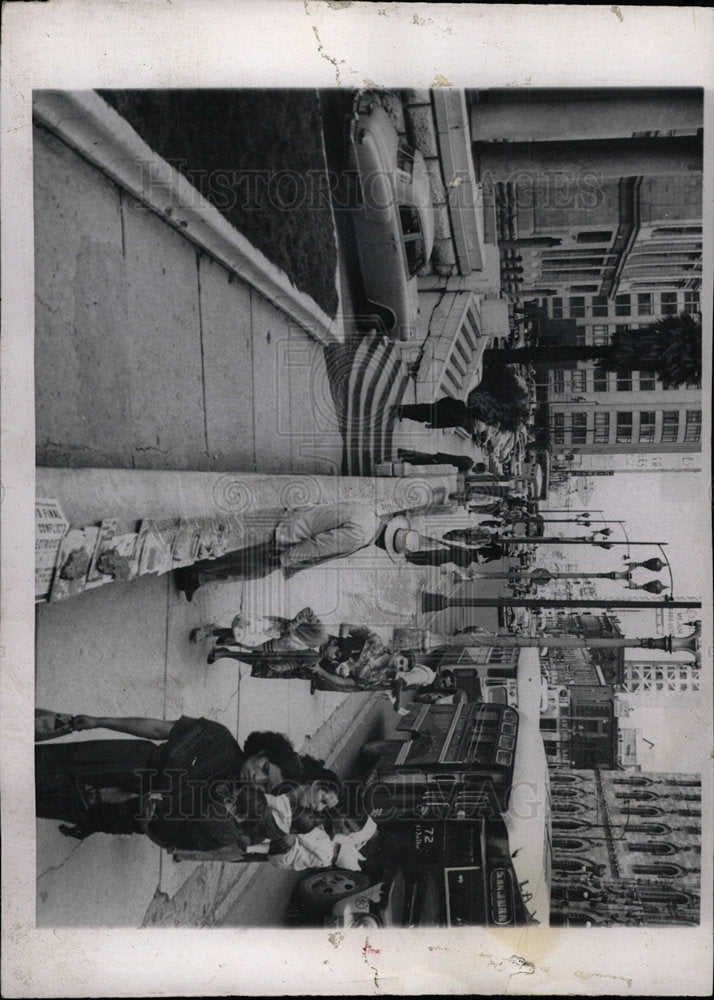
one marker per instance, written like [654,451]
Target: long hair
[279,751]
[314,772]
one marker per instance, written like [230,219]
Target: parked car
[393,217]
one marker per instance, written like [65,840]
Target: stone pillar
[515,161]
[561,115]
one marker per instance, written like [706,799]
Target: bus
[462,808]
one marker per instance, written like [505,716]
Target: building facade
[644,676]
[626,848]
[594,412]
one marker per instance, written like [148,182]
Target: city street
[150,355]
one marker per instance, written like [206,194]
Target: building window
[600,305]
[644,304]
[578,381]
[599,381]
[647,426]
[650,828]
[669,230]
[602,428]
[670,426]
[647,381]
[666,871]
[579,428]
[583,288]
[559,428]
[569,843]
[558,380]
[570,866]
[576,306]
[668,303]
[600,334]
[624,428]
[654,847]
[624,381]
[693,426]
[567,792]
[549,725]
[580,337]
[557,308]
[691,302]
[595,236]
[622,305]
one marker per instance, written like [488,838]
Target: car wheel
[326,887]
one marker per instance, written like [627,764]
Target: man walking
[304,537]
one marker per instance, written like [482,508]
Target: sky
[671,507]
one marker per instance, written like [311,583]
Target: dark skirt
[445,412]
[295,663]
[456,554]
[66,772]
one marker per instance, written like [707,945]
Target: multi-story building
[626,848]
[595,412]
[598,199]
[579,722]
[596,191]
[643,676]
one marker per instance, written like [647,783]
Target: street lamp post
[668,644]
[575,540]
[438,602]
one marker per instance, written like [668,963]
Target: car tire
[322,888]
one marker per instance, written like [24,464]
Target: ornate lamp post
[438,602]
[668,644]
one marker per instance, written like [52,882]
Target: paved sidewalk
[150,354]
[124,649]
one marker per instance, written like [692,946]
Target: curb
[85,122]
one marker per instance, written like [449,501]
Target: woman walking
[445,412]
[460,462]
[180,793]
[459,555]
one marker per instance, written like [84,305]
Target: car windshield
[412,238]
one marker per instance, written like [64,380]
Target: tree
[501,398]
[671,347]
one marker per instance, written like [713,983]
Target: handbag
[49,725]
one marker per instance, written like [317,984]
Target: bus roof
[528,815]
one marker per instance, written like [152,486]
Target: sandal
[200,633]
[77,832]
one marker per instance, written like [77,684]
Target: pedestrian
[470,536]
[461,462]
[305,536]
[275,823]
[445,412]
[181,793]
[459,555]
[303,632]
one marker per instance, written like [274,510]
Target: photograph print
[369,483]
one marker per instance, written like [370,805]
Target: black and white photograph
[372,497]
